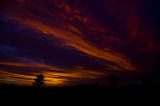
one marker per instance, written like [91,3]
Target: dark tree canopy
[39,81]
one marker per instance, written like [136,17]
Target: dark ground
[83,91]
[80,95]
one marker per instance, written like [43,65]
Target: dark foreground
[88,92]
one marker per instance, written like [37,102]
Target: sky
[75,42]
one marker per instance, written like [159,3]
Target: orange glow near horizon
[54,76]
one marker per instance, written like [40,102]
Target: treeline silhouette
[93,90]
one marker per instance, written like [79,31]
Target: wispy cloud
[68,42]
[53,75]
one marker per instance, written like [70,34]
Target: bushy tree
[39,81]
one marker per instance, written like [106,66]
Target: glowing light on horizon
[54,76]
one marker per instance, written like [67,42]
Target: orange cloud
[64,31]
[23,79]
[31,65]
[54,76]
[76,41]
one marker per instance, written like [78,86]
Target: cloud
[69,42]
[54,76]
[77,42]
[52,24]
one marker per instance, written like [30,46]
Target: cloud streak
[71,41]
[79,43]
[54,76]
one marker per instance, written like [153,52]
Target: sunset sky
[75,42]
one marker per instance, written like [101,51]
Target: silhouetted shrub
[38,81]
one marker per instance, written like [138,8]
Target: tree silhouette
[38,81]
